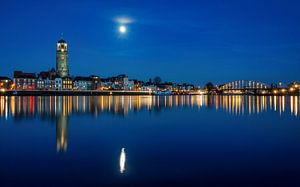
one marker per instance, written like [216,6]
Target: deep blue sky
[185,41]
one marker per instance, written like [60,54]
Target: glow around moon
[123,20]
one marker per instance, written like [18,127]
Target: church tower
[62,66]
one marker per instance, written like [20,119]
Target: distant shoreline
[71,93]
[108,92]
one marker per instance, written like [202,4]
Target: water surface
[150,141]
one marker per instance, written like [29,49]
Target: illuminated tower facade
[62,66]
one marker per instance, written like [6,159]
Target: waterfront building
[96,82]
[144,86]
[119,82]
[129,86]
[41,82]
[45,81]
[148,87]
[294,88]
[106,84]
[5,83]
[182,87]
[67,83]
[167,86]
[82,83]
[58,83]
[125,83]
[62,66]
[138,84]
[24,81]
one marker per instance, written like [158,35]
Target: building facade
[82,83]
[58,83]
[5,83]
[24,81]
[96,82]
[62,66]
[45,80]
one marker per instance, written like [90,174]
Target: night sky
[183,41]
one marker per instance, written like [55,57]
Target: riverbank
[71,93]
[114,92]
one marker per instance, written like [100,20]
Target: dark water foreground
[150,141]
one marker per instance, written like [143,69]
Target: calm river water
[150,141]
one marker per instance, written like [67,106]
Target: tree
[157,80]
[209,86]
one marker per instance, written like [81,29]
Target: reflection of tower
[62,66]
[61,133]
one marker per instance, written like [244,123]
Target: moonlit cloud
[124,20]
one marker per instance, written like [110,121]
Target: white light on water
[122,160]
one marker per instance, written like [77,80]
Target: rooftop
[61,41]
[20,74]
[4,78]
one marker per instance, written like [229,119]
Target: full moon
[122,29]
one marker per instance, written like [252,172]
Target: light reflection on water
[61,134]
[61,107]
[55,106]
[201,134]
[122,160]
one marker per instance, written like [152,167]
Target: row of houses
[49,80]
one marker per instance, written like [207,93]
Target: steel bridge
[243,85]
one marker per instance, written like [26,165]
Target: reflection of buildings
[53,107]
[61,133]
[59,108]
[256,104]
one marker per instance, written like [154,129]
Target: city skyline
[180,42]
[150,93]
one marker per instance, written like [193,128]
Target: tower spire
[61,35]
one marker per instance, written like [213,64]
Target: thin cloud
[124,20]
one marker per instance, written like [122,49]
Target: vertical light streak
[122,160]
